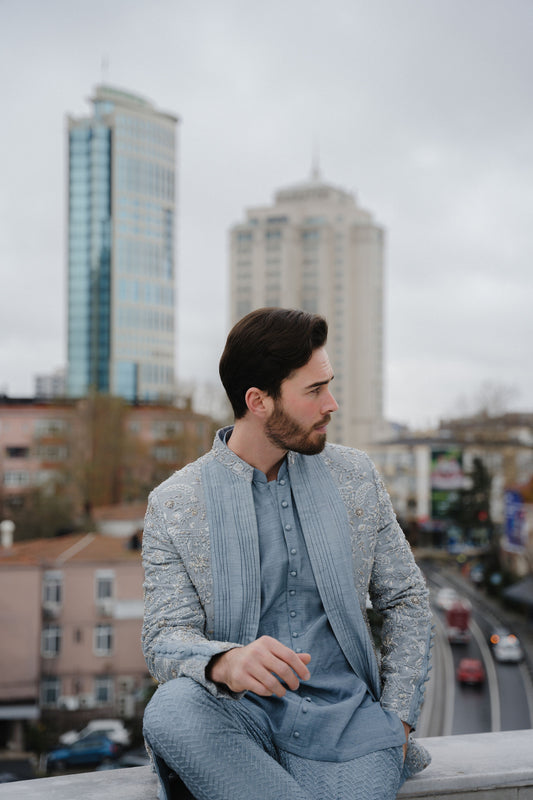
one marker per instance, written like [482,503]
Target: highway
[503,702]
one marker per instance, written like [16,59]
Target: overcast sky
[422,108]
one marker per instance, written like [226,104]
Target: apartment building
[57,445]
[315,248]
[70,625]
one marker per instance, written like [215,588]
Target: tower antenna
[315,165]
[104,68]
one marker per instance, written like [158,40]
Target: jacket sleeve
[398,592]
[173,635]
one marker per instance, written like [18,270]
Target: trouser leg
[213,746]
[376,776]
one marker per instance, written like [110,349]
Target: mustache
[325,421]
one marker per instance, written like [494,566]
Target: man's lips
[321,427]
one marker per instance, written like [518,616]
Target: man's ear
[259,402]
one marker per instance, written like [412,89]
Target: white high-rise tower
[316,249]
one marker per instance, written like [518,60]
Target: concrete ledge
[484,766]
[498,766]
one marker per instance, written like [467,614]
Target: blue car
[93,749]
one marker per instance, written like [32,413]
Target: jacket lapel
[234,553]
[328,538]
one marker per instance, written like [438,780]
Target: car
[508,649]
[446,597]
[112,728]
[497,634]
[470,671]
[93,749]
[132,758]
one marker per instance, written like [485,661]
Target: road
[504,702]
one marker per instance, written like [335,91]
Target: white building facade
[316,249]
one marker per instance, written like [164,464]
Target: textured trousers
[221,754]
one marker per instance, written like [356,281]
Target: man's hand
[261,667]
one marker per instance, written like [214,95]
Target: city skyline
[421,110]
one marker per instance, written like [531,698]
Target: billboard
[446,480]
[515,521]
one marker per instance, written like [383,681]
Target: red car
[470,671]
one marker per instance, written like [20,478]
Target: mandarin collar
[232,461]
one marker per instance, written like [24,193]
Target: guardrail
[480,766]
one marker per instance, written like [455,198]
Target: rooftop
[74,548]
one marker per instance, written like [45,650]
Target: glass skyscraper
[121,271]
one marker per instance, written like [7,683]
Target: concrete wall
[484,766]
[20,626]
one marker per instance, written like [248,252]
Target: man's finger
[296,661]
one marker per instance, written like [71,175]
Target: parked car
[132,758]
[112,728]
[470,671]
[508,649]
[93,749]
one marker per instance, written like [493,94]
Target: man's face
[300,416]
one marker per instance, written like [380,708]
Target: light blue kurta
[332,716]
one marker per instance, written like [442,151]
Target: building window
[50,641]
[104,590]
[53,588]
[51,452]
[15,479]
[50,691]
[166,453]
[103,640]
[49,427]
[103,690]
[162,429]
[17,452]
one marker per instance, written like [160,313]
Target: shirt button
[293,613]
[293,573]
[282,482]
[296,735]
[294,635]
[288,527]
[304,709]
[298,649]
[292,592]
[284,504]
[293,551]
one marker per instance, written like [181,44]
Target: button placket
[287,519]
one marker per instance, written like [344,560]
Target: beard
[287,434]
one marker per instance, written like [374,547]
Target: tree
[101,449]
[471,510]
[43,513]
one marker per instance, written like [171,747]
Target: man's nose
[330,404]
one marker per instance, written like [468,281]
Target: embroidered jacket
[202,575]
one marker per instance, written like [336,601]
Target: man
[259,558]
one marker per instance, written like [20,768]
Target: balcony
[481,766]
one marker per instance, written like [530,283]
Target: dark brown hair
[264,347]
